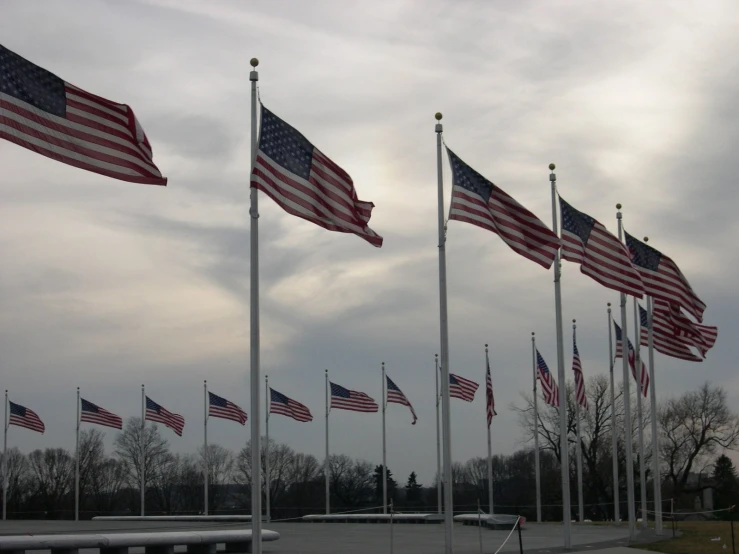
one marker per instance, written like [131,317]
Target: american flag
[346,399]
[580,395]
[23,417]
[462,388]
[41,112]
[489,398]
[632,360]
[281,404]
[664,337]
[305,183]
[703,337]
[154,412]
[549,387]
[601,255]
[220,407]
[477,201]
[395,395]
[92,413]
[663,279]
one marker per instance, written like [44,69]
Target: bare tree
[693,428]
[19,476]
[220,462]
[52,477]
[92,457]
[128,448]
[105,484]
[352,481]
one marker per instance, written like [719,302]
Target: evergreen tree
[726,483]
[413,489]
[392,485]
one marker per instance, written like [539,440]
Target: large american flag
[703,337]
[154,412]
[396,396]
[489,398]
[220,407]
[346,399]
[462,388]
[580,395]
[664,337]
[281,404]
[305,183]
[23,417]
[632,360]
[549,387]
[601,255]
[662,278]
[41,112]
[477,201]
[91,413]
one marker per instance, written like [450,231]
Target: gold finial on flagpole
[618,206]
[254,62]
[551,167]
[438,116]
[646,239]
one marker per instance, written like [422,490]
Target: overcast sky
[106,285]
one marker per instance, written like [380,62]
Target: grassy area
[696,538]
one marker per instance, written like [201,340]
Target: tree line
[694,429]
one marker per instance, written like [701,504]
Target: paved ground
[355,538]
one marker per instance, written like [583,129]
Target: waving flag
[92,413]
[220,407]
[632,361]
[41,112]
[664,338]
[703,337]
[23,417]
[462,388]
[489,399]
[345,399]
[281,404]
[601,255]
[663,279]
[396,396]
[477,201]
[154,412]
[549,387]
[305,183]
[580,395]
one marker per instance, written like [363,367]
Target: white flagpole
[536,431]
[614,426]
[564,443]
[256,461]
[205,444]
[325,463]
[490,448]
[629,447]
[444,332]
[143,454]
[384,447]
[578,449]
[639,416]
[655,436]
[5,460]
[266,448]
[438,441]
[77,463]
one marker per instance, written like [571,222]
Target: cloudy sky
[106,285]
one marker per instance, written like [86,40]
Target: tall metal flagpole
[444,332]
[564,445]
[490,448]
[614,426]
[256,438]
[267,492]
[536,431]
[205,445]
[629,447]
[639,416]
[325,463]
[5,460]
[438,440]
[578,450]
[143,453]
[77,462]
[384,447]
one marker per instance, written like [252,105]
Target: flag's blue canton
[574,221]
[151,405]
[284,145]
[391,385]
[337,390]
[277,397]
[574,346]
[31,84]
[216,400]
[644,317]
[643,255]
[618,331]
[452,380]
[469,179]
[17,409]
[89,406]
[541,363]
